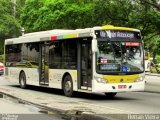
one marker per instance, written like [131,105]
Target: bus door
[43,65]
[85,64]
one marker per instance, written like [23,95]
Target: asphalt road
[12,109]
[146,102]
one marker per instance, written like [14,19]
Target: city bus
[103,59]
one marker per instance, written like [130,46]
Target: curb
[66,115]
[31,103]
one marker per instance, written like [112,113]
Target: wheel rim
[68,86]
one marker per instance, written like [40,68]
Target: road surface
[12,109]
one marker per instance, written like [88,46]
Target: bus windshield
[119,57]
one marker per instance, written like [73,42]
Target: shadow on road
[81,95]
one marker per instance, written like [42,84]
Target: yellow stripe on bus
[70,36]
[75,74]
[120,78]
[110,27]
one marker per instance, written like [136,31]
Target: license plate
[122,86]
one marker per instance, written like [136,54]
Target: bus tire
[22,80]
[67,86]
[110,95]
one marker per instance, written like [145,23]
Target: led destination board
[116,34]
[122,34]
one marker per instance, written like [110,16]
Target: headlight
[139,79]
[100,80]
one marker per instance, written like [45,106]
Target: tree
[151,24]
[71,14]
[53,14]
[9,26]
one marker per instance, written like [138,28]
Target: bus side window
[55,55]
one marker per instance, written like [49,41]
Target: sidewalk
[152,83]
[55,106]
[152,74]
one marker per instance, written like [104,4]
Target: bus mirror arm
[94,46]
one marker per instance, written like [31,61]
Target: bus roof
[57,34]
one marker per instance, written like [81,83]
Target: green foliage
[19,7]
[50,14]
[115,12]
[9,26]
[149,23]
[1,58]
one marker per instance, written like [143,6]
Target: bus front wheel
[22,80]
[110,95]
[68,86]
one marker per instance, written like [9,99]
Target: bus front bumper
[117,87]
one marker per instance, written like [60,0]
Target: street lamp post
[22,31]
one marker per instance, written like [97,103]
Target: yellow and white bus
[104,59]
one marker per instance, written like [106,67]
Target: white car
[1,68]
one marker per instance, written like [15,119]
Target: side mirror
[94,46]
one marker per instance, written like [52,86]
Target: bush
[1,58]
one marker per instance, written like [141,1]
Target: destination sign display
[110,67]
[122,34]
[116,34]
